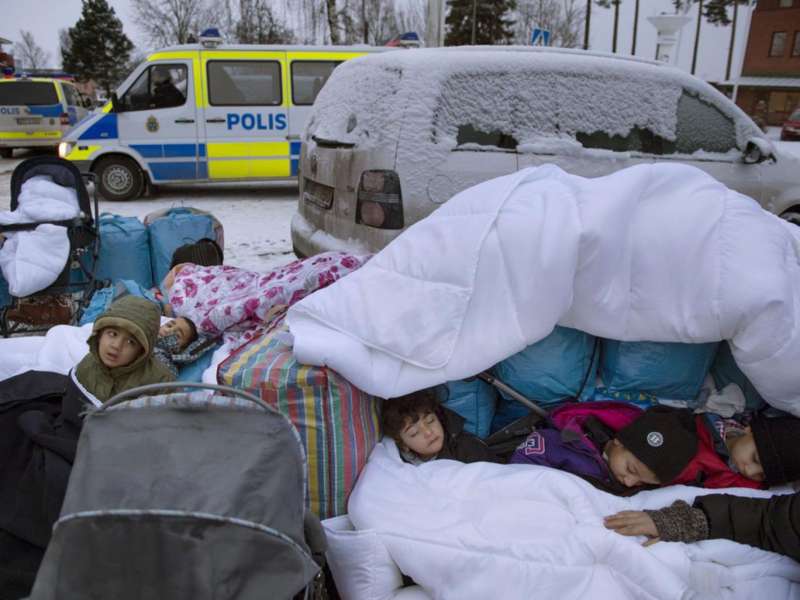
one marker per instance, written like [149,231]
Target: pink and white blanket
[238,304]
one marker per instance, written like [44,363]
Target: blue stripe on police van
[105,128]
[149,150]
[180,150]
[295,166]
[202,170]
[202,151]
[173,170]
[294,148]
[50,110]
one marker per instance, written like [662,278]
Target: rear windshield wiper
[326,143]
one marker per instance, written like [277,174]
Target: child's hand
[632,522]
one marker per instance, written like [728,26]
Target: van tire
[119,178]
[6,152]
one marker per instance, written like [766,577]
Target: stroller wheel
[119,178]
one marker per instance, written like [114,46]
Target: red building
[771,69]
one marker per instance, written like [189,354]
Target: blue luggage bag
[124,250]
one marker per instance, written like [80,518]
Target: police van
[205,112]
[36,112]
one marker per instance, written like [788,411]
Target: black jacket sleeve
[768,523]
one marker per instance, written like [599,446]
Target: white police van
[205,112]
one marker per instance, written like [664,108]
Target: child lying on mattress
[179,344]
[424,430]
[661,446]
[767,523]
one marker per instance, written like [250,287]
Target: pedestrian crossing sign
[540,37]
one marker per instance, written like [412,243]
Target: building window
[778,43]
[796,45]
[786,3]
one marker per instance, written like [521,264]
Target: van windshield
[30,93]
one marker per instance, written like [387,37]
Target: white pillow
[412,592]
[360,563]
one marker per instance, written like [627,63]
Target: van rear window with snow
[30,93]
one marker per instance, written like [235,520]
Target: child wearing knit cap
[660,446]
[767,523]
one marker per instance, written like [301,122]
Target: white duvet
[481,531]
[32,260]
[658,252]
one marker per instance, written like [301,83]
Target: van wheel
[119,178]
[792,216]
[6,152]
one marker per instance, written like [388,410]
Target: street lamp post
[474,20]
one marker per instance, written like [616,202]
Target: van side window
[638,139]
[703,126]
[159,86]
[70,95]
[308,77]
[244,83]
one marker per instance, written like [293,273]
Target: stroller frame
[84,239]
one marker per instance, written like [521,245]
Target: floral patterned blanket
[238,304]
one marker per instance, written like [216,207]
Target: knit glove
[680,523]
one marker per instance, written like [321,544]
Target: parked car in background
[791,127]
[37,112]
[393,136]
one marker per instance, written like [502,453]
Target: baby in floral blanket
[224,298]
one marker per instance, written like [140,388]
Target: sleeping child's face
[117,348]
[626,468]
[181,329]
[423,436]
[744,455]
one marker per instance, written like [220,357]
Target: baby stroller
[61,301]
[190,494]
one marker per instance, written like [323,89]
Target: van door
[157,119]
[308,72]
[74,109]
[245,116]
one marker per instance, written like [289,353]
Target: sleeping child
[179,344]
[424,430]
[660,446]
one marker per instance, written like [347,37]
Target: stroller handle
[154,387]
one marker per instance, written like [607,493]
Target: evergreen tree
[98,49]
[492,22]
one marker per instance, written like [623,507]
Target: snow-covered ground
[255,217]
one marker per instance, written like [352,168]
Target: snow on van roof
[524,92]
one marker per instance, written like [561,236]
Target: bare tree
[168,22]
[28,53]
[564,19]
[258,24]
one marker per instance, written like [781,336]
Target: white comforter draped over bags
[516,532]
[33,260]
[655,252]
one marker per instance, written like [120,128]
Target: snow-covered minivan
[393,136]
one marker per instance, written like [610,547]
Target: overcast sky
[45,17]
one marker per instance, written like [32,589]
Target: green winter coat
[140,318]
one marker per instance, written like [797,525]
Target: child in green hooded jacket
[41,415]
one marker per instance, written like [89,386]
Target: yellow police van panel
[196,113]
[37,111]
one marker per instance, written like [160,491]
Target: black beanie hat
[664,439]
[205,252]
[778,444]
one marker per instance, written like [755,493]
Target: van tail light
[380,202]
[64,118]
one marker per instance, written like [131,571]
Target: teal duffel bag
[175,227]
[124,250]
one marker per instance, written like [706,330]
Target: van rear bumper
[309,240]
[28,142]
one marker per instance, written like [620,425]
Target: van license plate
[28,121]
[320,197]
